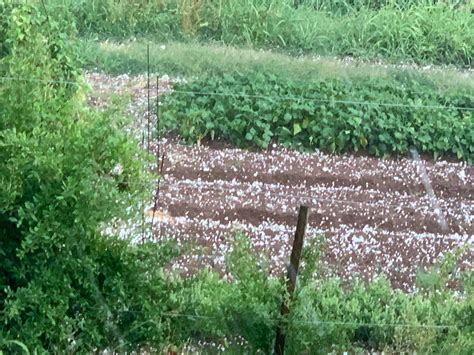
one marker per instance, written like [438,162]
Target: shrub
[331,316]
[326,315]
[64,287]
[380,116]
[245,306]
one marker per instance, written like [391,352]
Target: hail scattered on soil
[375,215]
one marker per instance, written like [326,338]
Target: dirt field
[375,215]
[390,216]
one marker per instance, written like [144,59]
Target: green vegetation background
[435,32]
[65,287]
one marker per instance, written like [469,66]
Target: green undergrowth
[378,116]
[141,306]
[69,171]
[195,59]
[423,32]
[326,314]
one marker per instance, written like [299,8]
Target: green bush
[337,316]
[247,306]
[326,314]
[331,316]
[332,115]
[64,287]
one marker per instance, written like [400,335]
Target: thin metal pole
[148,96]
[158,114]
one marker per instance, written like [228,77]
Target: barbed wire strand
[281,97]
[323,322]
[366,66]
[304,98]
[315,200]
[47,81]
[303,322]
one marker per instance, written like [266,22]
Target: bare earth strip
[375,215]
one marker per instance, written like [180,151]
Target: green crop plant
[377,116]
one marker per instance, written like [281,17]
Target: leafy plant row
[379,116]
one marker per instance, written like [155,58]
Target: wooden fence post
[291,276]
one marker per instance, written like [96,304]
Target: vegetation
[63,286]
[439,32]
[68,171]
[377,116]
[194,59]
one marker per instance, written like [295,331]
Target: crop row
[373,115]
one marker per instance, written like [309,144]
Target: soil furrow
[392,216]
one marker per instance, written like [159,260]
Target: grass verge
[196,59]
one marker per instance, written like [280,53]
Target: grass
[196,59]
[402,31]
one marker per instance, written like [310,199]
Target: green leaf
[296,129]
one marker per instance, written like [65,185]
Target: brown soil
[375,215]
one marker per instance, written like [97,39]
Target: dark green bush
[326,315]
[380,116]
[377,317]
[247,306]
[64,287]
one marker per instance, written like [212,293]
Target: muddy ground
[393,216]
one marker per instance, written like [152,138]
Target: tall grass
[348,6]
[440,32]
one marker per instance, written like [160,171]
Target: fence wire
[290,195]
[326,322]
[276,97]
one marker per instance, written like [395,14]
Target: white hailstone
[117,170]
